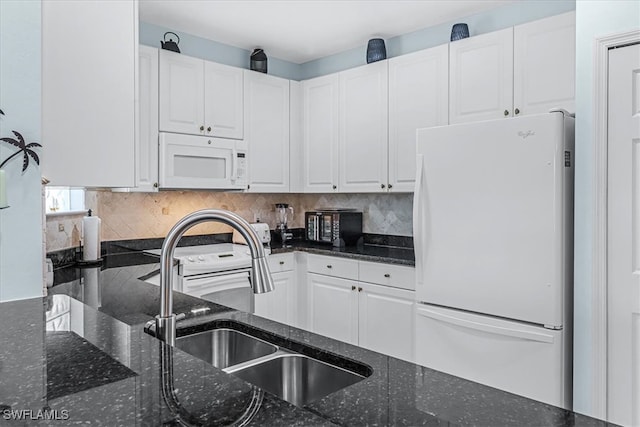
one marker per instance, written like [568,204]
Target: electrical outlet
[256,218]
[60,227]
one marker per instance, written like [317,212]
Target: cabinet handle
[517,111]
[387,275]
[506,112]
[155,185]
[359,289]
[201,128]
[329,266]
[389,186]
[209,142]
[209,129]
[382,186]
[248,187]
[335,186]
[281,262]
[353,288]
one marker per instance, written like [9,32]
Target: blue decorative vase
[459,32]
[376,51]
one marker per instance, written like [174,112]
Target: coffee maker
[282,218]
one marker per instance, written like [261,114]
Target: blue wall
[493,20]
[21,240]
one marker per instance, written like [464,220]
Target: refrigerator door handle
[418,220]
[492,329]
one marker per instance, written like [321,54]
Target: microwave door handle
[234,164]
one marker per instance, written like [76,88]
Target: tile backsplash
[144,215]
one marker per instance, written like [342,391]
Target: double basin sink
[265,361]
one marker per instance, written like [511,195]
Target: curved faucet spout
[261,280]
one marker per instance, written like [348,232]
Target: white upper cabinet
[199,97]
[181,93]
[320,134]
[267,132]
[545,65]
[527,69]
[418,98]
[89,58]
[363,128]
[147,122]
[481,77]
[223,101]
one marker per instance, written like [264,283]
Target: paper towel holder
[81,262]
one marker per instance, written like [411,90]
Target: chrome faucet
[261,280]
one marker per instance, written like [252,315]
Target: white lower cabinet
[380,318]
[279,305]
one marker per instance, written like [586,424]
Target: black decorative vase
[376,51]
[258,61]
[459,32]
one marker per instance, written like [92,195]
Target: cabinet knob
[387,275]
[155,185]
[506,112]
[517,111]
[382,186]
[201,128]
[359,289]
[389,186]
[335,186]
[353,288]
[248,187]
[209,142]
[209,129]
[329,266]
[281,262]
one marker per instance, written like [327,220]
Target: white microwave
[201,162]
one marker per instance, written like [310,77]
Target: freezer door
[492,218]
[511,356]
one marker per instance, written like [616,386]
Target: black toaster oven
[340,227]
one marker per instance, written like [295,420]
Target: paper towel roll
[91,237]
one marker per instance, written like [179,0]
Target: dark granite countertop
[128,365]
[364,252]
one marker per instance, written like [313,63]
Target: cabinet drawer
[333,266]
[281,262]
[397,276]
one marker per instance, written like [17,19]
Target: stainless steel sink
[296,378]
[224,347]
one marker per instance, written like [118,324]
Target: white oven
[218,273]
[188,161]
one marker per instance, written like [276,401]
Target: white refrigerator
[493,237]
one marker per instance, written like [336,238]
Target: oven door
[188,161]
[225,288]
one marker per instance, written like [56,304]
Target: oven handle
[234,164]
[220,282]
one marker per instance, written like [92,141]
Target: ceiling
[303,30]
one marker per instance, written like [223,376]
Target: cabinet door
[320,134]
[386,320]
[418,98]
[363,128]
[545,65]
[181,93]
[280,304]
[481,77]
[267,132]
[223,101]
[147,136]
[88,92]
[333,307]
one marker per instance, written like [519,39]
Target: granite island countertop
[104,321]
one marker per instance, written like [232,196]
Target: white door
[147,132]
[280,304]
[481,77]
[544,65]
[386,320]
[418,98]
[333,307]
[363,128]
[267,131]
[320,134]
[223,103]
[623,247]
[181,93]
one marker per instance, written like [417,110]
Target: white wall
[20,99]
[593,19]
